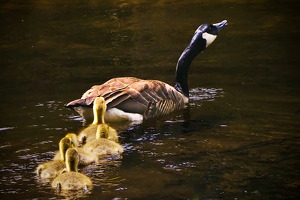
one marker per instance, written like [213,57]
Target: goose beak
[220,26]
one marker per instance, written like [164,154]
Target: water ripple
[6,128]
[207,94]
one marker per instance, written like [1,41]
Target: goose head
[211,31]
[204,35]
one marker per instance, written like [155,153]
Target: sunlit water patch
[204,94]
[6,128]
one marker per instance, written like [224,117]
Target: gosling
[88,134]
[52,168]
[102,146]
[85,157]
[70,178]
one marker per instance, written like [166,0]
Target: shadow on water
[238,138]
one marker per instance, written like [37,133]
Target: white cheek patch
[209,38]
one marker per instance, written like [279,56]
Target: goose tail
[88,102]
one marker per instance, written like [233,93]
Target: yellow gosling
[52,168]
[89,133]
[107,132]
[73,140]
[72,179]
[99,109]
[102,146]
[85,157]
[73,137]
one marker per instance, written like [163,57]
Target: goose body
[134,99]
[52,168]
[72,179]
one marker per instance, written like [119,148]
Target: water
[237,139]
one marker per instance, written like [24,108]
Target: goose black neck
[182,68]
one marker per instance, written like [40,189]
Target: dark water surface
[237,139]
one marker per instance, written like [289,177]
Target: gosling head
[99,109]
[72,159]
[99,103]
[64,144]
[73,138]
[82,139]
[102,131]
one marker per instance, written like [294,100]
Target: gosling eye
[103,134]
[83,139]
[40,169]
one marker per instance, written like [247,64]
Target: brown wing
[147,97]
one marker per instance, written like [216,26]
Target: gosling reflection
[72,179]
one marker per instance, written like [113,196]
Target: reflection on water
[208,94]
[238,138]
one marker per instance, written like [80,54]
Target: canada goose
[133,99]
[89,133]
[85,157]
[52,168]
[72,179]
[102,146]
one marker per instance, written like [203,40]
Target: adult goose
[133,99]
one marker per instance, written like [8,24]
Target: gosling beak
[220,26]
